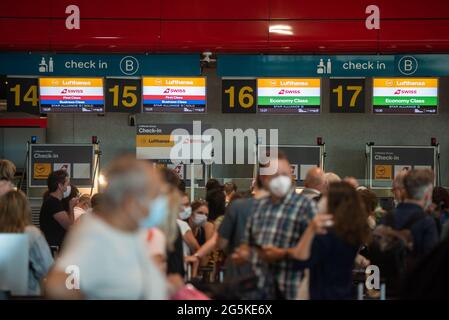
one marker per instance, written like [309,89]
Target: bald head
[315,179]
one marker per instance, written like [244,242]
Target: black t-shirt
[175,258]
[51,228]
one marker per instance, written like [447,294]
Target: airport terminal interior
[224,150]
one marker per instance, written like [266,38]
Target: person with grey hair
[107,252]
[410,213]
[314,183]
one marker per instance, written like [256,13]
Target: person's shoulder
[33,232]
[240,204]
[51,199]
[184,226]
[428,221]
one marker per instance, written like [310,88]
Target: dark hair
[97,201]
[230,187]
[213,184]
[350,215]
[55,178]
[440,197]
[171,177]
[217,203]
[416,182]
[281,155]
[369,199]
[198,204]
[239,195]
[182,186]
[259,182]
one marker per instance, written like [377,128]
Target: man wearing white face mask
[276,223]
[109,248]
[54,220]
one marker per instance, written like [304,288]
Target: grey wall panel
[345,134]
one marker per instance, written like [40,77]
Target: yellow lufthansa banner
[406,82]
[383,172]
[175,82]
[41,171]
[71,82]
[284,82]
[154,141]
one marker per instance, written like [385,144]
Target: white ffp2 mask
[280,185]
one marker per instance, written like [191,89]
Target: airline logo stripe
[293,101]
[406,82]
[308,92]
[408,91]
[177,82]
[77,102]
[72,98]
[288,83]
[405,101]
[171,90]
[71,82]
[174,97]
[55,91]
[162,101]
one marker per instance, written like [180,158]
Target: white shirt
[113,264]
[156,241]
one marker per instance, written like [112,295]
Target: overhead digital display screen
[179,95]
[405,95]
[71,95]
[289,96]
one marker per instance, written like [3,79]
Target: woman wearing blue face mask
[202,229]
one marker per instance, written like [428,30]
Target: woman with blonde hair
[7,172]
[15,217]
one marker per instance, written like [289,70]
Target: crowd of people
[143,238]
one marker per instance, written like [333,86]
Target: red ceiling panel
[24,34]
[25,8]
[214,35]
[414,9]
[130,9]
[322,9]
[207,10]
[414,35]
[106,35]
[325,36]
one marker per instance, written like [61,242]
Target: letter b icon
[408,65]
[129,65]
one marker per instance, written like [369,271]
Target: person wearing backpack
[407,234]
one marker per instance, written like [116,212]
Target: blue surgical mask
[186,213]
[157,212]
